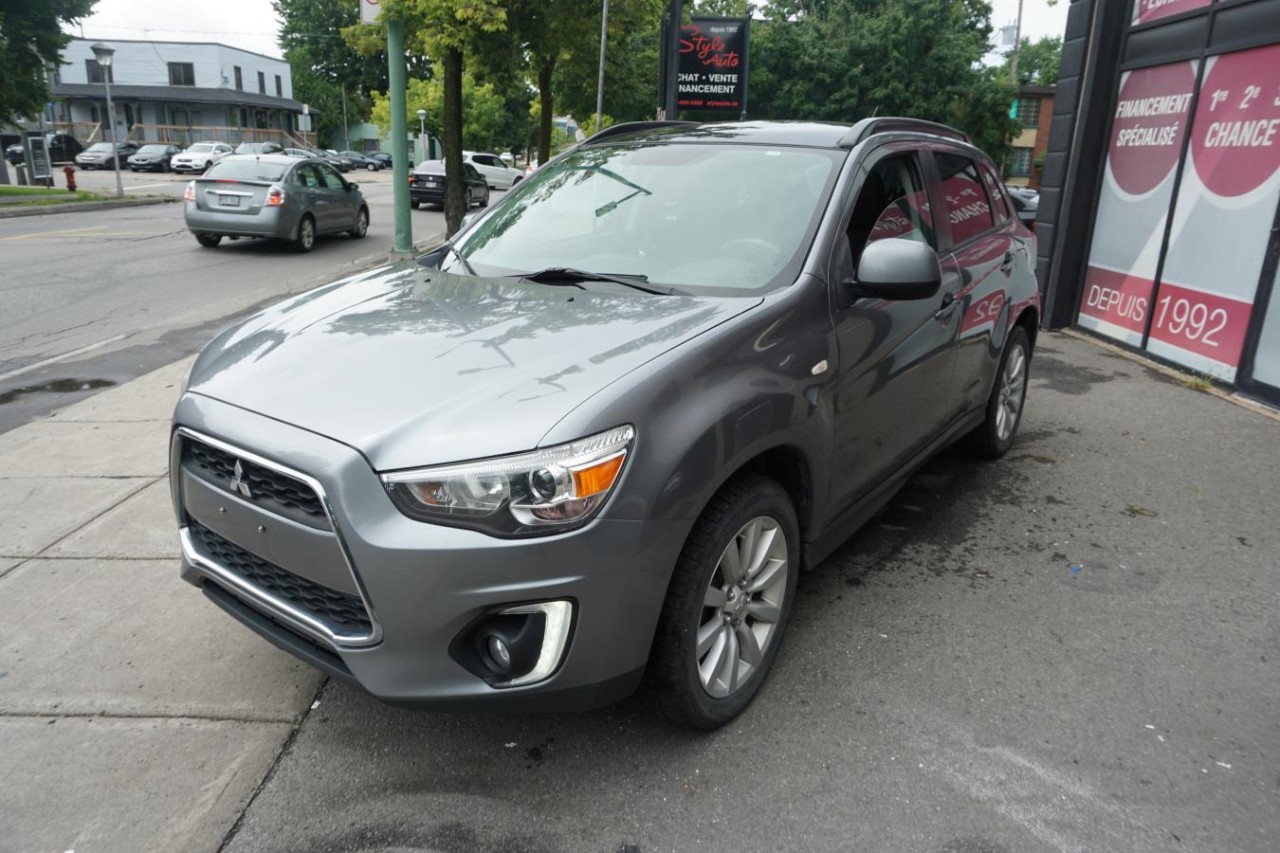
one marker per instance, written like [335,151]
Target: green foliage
[631,67]
[31,43]
[1038,61]
[842,60]
[483,111]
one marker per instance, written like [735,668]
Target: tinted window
[995,189]
[182,74]
[968,209]
[471,171]
[331,179]
[245,170]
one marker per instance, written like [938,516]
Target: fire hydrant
[70,172]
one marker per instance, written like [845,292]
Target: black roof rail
[868,126]
[632,127]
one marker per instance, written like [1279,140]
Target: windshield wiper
[552,275]
[466,265]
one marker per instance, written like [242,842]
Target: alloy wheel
[742,606]
[1012,391]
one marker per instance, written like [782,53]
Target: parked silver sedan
[274,196]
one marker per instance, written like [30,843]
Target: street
[111,294]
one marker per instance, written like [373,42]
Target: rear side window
[999,198]
[968,208]
[331,179]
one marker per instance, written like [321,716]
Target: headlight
[530,494]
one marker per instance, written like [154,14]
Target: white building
[175,92]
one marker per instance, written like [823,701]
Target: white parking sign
[369,10]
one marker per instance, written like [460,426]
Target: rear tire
[372,167]
[727,605]
[306,237]
[993,438]
[414,205]
[362,224]
[208,240]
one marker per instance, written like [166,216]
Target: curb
[75,206]
[1179,376]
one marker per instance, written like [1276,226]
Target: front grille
[274,491]
[342,612]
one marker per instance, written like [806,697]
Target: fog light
[499,654]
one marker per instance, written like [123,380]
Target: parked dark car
[154,157]
[258,148]
[275,196]
[63,148]
[593,441]
[382,157]
[99,155]
[426,184]
[361,161]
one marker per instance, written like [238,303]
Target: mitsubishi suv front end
[592,441]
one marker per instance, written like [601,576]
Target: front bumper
[423,584]
[188,166]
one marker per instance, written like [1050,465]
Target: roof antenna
[876,111]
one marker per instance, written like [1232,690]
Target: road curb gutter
[78,206]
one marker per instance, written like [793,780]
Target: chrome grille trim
[262,600]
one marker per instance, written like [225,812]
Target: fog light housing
[515,645]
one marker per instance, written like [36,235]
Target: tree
[483,110]
[329,67]
[631,66]
[447,30]
[842,60]
[31,43]
[1038,61]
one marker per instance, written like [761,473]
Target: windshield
[714,218]
[100,146]
[201,148]
[245,170]
[153,149]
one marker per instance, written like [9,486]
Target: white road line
[148,186]
[64,357]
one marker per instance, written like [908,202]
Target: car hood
[418,367]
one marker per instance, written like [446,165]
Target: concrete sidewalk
[135,716]
[132,715]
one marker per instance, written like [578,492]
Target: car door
[895,357]
[982,255]
[306,183]
[335,200]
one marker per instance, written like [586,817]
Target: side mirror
[353,186]
[469,218]
[898,269]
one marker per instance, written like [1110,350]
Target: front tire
[727,605]
[993,438]
[361,227]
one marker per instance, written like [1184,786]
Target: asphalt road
[1072,649]
[107,295]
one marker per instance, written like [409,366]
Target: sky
[252,24]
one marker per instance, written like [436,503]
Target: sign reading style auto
[712,76]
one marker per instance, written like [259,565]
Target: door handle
[948,299]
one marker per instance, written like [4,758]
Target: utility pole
[604,32]
[346,134]
[399,137]
[671,99]
[1017,46]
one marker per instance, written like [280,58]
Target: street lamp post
[422,135]
[104,56]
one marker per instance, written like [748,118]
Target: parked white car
[199,156]
[499,175]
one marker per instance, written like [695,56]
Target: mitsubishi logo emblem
[239,483]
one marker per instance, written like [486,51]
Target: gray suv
[593,441]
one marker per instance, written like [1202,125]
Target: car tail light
[275,197]
[410,179]
[190,193]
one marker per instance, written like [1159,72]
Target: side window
[892,202]
[999,198]
[331,179]
[470,170]
[306,176]
[968,209]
